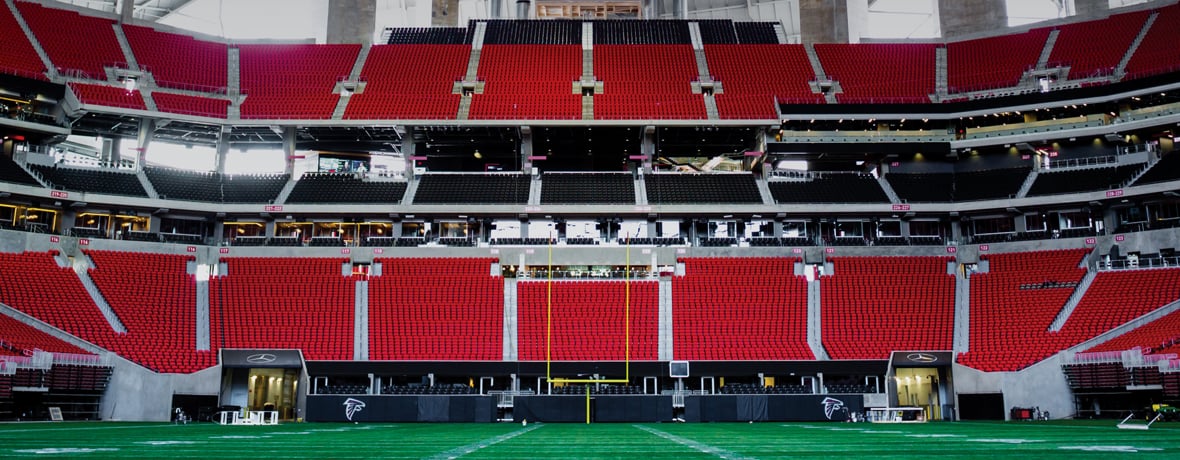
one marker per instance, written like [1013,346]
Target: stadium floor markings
[464,450]
[694,445]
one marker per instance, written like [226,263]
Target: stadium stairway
[81,266]
[640,190]
[1028,183]
[1152,159]
[360,331]
[146,184]
[354,76]
[664,351]
[888,189]
[941,87]
[203,317]
[961,341]
[285,192]
[234,82]
[1122,67]
[1043,60]
[511,338]
[24,27]
[1078,292]
[814,318]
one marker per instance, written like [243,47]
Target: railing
[1140,263]
[1091,161]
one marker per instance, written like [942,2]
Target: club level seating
[1095,48]
[155,299]
[756,33]
[1167,169]
[1009,325]
[717,32]
[648,32]
[20,339]
[303,303]
[1157,53]
[18,56]
[109,96]
[87,47]
[34,284]
[993,62]
[646,82]
[473,189]
[528,82]
[717,242]
[587,188]
[755,76]
[428,36]
[191,105]
[317,187]
[532,32]
[179,61]
[958,186]
[780,242]
[252,188]
[588,320]
[176,184]
[763,317]
[1084,180]
[73,377]
[399,86]
[830,188]
[702,188]
[911,306]
[436,309]
[452,389]
[1097,375]
[92,180]
[878,73]
[12,172]
[293,81]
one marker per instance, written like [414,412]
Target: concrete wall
[136,393]
[966,17]
[823,21]
[1040,385]
[351,21]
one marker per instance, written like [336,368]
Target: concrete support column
[147,126]
[408,150]
[351,21]
[289,148]
[1091,8]
[126,10]
[823,21]
[964,17]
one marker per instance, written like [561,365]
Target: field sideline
[1067,439]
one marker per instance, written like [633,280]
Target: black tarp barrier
[774,408]
[549,408]
[399,408]
[632,408]
[752,407]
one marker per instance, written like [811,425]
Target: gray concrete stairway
[1047,50]
[665,346]
[814,324]
[510,334]
[24,26]
[234,82]
[961,340]
[1078,292]
[81,265]
[360,327]
[1122,67]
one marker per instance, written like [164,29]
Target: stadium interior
[675,215]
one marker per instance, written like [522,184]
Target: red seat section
[110,96]
[1095,48]
[155,299]
[740,308]
[293,81]
[528,82]
[74,42]
[274,302]
[588,320]
[646,82]
[179,61]
[33,283]
[754,76]
[1158,53]
[436,309]
[994,62]
[18,56]
[20,339]
[873,306]
[1010,324]
[1132,293]
[880,73]
[190,105]
[399,86]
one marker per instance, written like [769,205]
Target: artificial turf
[1067,439]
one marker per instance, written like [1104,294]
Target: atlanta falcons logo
[352,406]
[831,405]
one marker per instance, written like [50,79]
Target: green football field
[511,440]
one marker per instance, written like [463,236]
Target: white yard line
[705,448]
[464,450]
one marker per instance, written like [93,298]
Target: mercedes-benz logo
[261,358]
[921,358]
